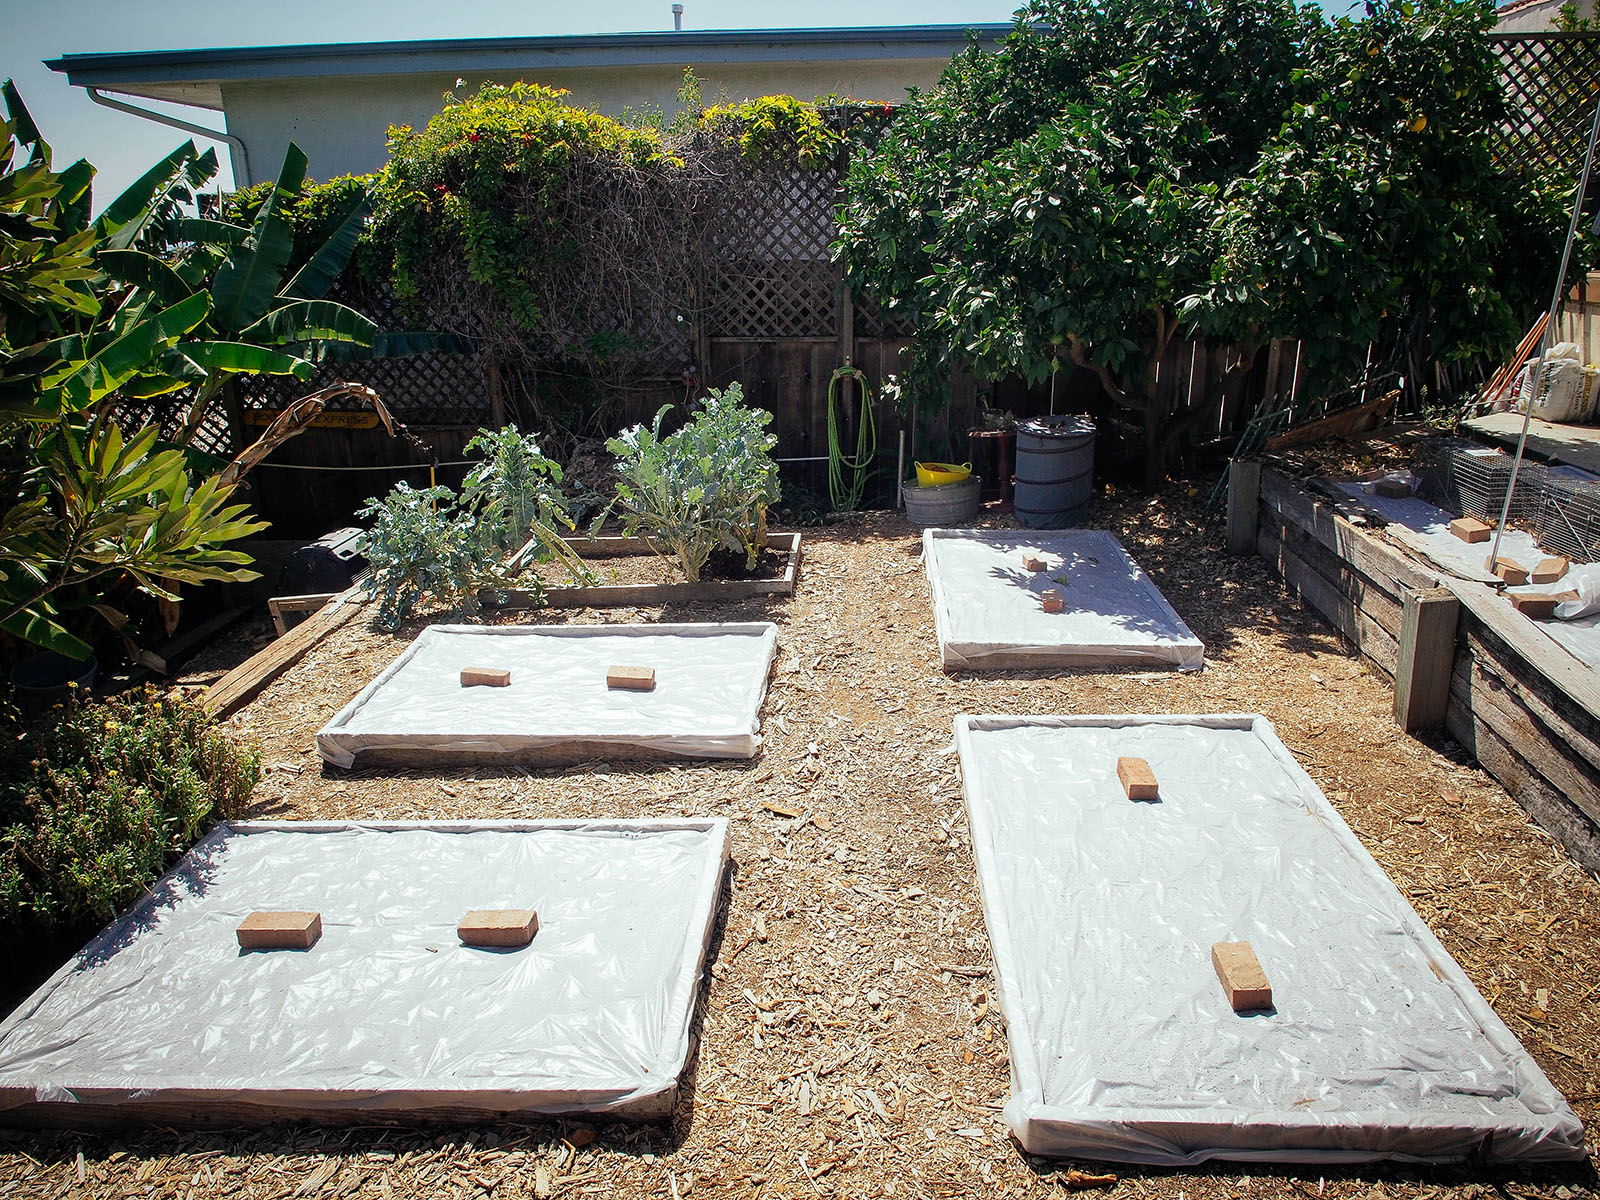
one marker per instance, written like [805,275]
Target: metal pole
[1544,340]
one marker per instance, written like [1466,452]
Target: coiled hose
[847,475]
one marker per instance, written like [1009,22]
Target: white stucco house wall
[337,101]
[1536,16]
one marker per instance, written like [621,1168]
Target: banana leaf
[246,284]
[240,357]
[311,320]
[314,279]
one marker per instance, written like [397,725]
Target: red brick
[485,677]
[1243,980]
[1052,600]
[1470,529]
[633,679]
[1138,780]
[498,927]
[1507,569]
[1539,608]
[1548,570]
[280,930]
[1034,562]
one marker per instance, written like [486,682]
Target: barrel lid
[1060,426]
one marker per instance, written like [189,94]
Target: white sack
[389,1011]
[710,682]
[1102,912]
[988,614]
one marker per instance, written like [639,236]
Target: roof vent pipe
[677,18]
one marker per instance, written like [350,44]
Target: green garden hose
[846,495]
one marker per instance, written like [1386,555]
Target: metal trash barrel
[1055,471]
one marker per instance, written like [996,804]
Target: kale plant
[706,485]
[432,543]
[515,496]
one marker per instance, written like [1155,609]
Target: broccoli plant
[515,496]
[419,544]
[433,543]
[706,485]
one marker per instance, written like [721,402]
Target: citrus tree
[1122,173]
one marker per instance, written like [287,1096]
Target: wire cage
[1569,514]
[1470,479]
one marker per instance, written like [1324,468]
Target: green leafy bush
[504,184]
[706,485]
[1121,173]
[96,803]
[432,543]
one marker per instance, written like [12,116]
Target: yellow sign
[260,418]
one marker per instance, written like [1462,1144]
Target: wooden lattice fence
[1552,83]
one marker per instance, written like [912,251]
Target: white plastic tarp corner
[1102,912]
[710,682]
[988,612]
[388,1012]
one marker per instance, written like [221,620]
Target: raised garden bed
[611,595]
[163,1019]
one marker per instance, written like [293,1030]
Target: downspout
[243,158]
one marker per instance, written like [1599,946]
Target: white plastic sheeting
[710,681]
[1102,913]
[988,613]
[388,1011]
[1426,529]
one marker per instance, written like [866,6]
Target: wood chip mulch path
[849,1042]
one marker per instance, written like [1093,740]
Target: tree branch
[1076,353]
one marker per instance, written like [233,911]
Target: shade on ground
[710,681]
[162,1017]
[1103,912]
[989,608]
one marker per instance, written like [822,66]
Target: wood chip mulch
[850,1044]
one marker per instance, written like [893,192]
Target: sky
[121,146]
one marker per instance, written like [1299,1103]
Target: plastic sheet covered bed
[162,1017]
[989,615]
[1103,912]
[710,681]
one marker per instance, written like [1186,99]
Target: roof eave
[155,73]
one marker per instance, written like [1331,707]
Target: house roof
[196,77]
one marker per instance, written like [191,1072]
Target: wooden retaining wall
[1520,704]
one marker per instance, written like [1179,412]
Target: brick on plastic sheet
[1548,570]
[485,677]
[498,927]
[1471,530]
[1243,980]
[631,679]
[279,930]
[1138,780]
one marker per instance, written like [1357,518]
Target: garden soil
[849,1042]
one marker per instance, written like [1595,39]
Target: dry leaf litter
[849,1041]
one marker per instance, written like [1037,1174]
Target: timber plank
[1540,750]
[246,681]
[1359,547]
[611,595]
[1371,597]
[1531,792]
[1346,616]
[1572,680]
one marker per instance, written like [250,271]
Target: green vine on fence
[775,130]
